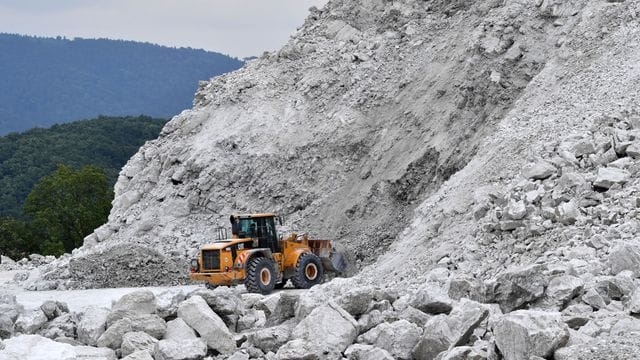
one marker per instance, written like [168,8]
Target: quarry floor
[75,299]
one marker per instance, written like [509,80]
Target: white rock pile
[525,313]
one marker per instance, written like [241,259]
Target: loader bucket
[335,262]
[332,259]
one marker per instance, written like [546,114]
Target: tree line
[60,211]
[56,184]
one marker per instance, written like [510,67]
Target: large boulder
[63,326]
[6,327]
[178,330]
[538,170]
[446,332]
[358,301]
[136,303]
[167,303]
[516,210]
[518,286]
[634,150]
[93,323]
[36,347]
[398,338]
[53,309]
[633,305]
[466,286]
[33,347]
[523,334]
[199,316]
[136,341]
[30,322]
[562,289]
[9,306]
[270,339]
[189,349]
[151,324]
[268,303]
[112,337]
[303,349]
[625,255]
[567,213]
[608,176]
[326,332]
[222,300]
[374,318]
[431,299]
[594,299]
[311,299]
[284,308]
[251,319]
[366,352]
[412,315]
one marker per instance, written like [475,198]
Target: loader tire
[261,276]
[309,271]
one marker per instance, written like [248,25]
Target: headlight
[194,263]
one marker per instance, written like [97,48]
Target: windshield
[262,228]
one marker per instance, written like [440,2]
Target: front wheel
[309,271]
[261,275]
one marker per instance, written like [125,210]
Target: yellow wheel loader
[261,259]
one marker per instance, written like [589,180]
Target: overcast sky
[236,27]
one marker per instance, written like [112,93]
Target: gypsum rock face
[336,90]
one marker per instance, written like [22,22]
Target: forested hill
[52,80]
[105,142]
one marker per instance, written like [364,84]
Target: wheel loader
[263,260]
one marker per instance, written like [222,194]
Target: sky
[239,28]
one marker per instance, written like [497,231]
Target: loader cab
[257,226]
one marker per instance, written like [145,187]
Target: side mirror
[281,220]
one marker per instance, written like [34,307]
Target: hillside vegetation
[46,80]
[105,142]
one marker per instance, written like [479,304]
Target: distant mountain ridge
[44,81]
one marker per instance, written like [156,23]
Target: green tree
[68,205]
[16,241]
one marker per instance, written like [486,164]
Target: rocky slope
[479,161]
[366,112]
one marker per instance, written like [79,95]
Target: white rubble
[198,315]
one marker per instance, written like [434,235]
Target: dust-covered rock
[93,323]
[366,352]
[445,332]
[137,341]
[132,304]
[199,316]
[519,286]
[329,329]
[30,322]
[398,338]
[188,349]
[526,333]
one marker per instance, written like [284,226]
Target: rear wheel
[261,275]
[309,271]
